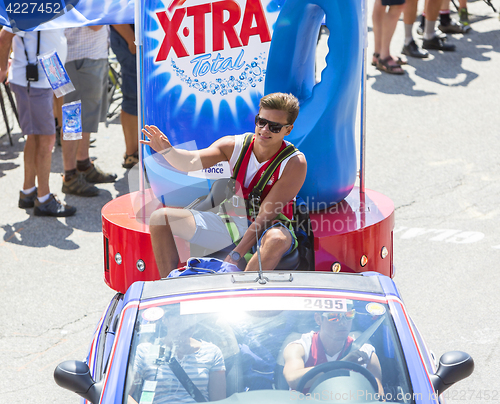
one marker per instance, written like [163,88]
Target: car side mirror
[453,367]
[75,376]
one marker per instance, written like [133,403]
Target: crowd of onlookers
[84,53]
[434,23]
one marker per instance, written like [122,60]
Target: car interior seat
[211,202]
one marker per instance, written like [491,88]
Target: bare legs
[130,132]
[73,150]
[37,162]
[274,244]
[163,225]
[167,222]
[385,20]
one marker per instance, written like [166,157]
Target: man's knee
[159,218]
[277,239]
[45,143]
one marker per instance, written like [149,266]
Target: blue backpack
[200,266]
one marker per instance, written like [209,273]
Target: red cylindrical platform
[355,233]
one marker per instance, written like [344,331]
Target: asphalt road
[432,147]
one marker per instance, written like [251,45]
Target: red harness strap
[240,178]
[317,354]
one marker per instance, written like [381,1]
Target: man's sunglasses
[274,127]
[336,317]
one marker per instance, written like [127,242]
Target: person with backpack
[267,174]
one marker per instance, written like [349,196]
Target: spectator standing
[433,39]
[447,24]
[385,18]
[122,38]
[35,103]
[410,47]
[87,67]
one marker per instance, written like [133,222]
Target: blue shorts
[211,231]
[128,71]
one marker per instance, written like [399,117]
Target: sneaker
[414,51]
[437,43]
[53,207]
[453,27]
[79,186]
[27,200]
[96,176]
[130,160]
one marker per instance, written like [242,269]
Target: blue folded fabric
[200,266]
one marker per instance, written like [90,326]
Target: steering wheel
[328,366]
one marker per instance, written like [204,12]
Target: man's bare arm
[374,367]
[5,46]
[127,33]
[294,364]
[188,160]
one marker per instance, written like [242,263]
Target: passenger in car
[271,219]
[155,367]
[331,343]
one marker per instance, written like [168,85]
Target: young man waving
[270,220]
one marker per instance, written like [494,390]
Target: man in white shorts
[275,120]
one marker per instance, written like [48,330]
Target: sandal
[383,65]
[400,61]
[130,160]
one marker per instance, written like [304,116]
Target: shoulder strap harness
[252,205]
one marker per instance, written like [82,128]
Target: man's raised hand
[156,139]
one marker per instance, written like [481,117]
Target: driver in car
[331,343]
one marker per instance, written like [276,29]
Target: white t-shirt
[168,389]
[253,164]
[50,40]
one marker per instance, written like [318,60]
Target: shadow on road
[40,232]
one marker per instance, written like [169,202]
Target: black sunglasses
[274,127]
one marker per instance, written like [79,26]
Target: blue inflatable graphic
[325,128]
[205,67]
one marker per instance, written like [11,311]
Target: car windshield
[249,346]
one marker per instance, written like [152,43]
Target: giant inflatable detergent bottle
[207,64]
[203,68]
